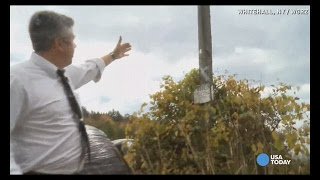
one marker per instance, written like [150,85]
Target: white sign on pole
[203,94]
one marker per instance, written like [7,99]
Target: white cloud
[91,49]
[251,63]
[130,81]
[164,42]
[303,94]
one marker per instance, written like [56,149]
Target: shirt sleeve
[17,101]
[80,75]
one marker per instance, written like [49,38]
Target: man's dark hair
[44,26]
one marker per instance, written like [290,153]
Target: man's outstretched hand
[120,50]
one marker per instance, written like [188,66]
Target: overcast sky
[164,41]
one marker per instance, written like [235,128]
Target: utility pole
[203,93]
[205,45]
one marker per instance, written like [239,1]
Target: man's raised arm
[92,69]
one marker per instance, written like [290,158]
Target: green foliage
[114,129]
[177,136]
[116,116]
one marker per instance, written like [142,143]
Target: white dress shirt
[44,137]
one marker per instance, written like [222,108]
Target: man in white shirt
[44,133]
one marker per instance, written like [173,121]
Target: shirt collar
[44,64]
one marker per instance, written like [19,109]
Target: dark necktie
[77,113]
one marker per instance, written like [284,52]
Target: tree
[112,125]
[85,112]
[116,116]
[171,138]
[126,117]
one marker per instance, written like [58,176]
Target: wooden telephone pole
[205,45]
[203,93]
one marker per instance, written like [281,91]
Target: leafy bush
[177,136]
[113,130]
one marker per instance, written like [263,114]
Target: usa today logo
[263,160]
